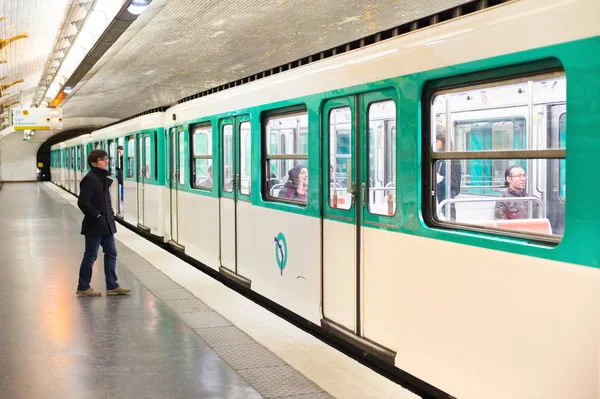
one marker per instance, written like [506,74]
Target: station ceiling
[182,47]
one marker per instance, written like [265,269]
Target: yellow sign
[40,165]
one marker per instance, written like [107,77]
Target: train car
[138,146]
[410,197]
[72,155]
[326,197]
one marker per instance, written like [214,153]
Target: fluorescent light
[137,6]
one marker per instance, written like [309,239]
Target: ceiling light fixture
[136,7]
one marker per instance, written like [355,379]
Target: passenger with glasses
[98,227]
[515,181]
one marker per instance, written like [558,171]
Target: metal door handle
[362,194]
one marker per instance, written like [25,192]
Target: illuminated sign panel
[36,118]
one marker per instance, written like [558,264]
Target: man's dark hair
[120,148]
[95,155]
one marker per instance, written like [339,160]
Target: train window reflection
[130,157]
[286,138]
[340,157]
[202,156]
[382,158]
[245,164]
[227,158]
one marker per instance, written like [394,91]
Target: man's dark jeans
[89,257]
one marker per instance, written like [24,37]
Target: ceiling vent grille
[443,16]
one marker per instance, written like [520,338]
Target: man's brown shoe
[118,291]
[89,292]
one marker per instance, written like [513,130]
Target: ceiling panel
[194,45]
[27,57]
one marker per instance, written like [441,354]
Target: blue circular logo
[280,251]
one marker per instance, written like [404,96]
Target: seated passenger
[208,181]
[515,180]
[296,187]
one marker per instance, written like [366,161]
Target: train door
[143,176]
[234,186]
[340,213]
[176,176]
[359,190]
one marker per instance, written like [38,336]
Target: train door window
[181,157]
[496,169]
[155,156]
[111,156]
[147,158]
[245,159]
[227,171]
[286,177]
[340,155]
[130,156]
[202,174]
[382,158]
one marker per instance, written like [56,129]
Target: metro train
[321,189]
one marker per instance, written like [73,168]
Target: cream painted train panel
[463,317]
[199,227]
[339,273]
[154,209]
[130,201]
[227,233]
[298,286]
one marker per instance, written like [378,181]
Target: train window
[498,157]
[147,158]
[156,156]
[340,157]
[286,137]
[140,157]
[227,172]
[111,159]
[181,157]
[202,156]
[382,158]
[130,157]
[245,159]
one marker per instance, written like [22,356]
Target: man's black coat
[94,201]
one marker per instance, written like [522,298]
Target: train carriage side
[332,194]
[140,200]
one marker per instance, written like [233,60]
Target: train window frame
[193,131]
[299,110]
[533,72]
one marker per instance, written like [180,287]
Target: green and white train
[475,306]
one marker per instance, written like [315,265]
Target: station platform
[180,334]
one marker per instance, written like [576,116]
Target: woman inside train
[296,188]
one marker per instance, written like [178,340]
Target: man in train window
[515,180]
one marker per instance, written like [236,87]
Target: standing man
[98,226]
